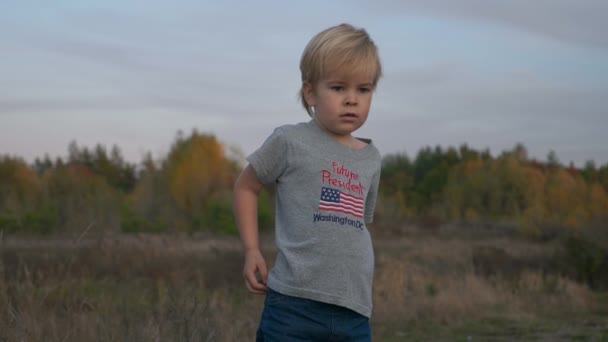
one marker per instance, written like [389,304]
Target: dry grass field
[439,286]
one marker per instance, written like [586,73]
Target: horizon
[236,153]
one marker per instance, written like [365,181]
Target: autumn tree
[111,166]
[148,208]
[200,178]
[20,191]
[81,198]
[396,183]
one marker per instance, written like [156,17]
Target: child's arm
[246,190]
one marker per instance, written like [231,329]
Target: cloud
[234,70]
[451,103]
[569,21]
[450,93]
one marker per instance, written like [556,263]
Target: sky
[487,73]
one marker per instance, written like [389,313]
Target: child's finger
[250,288]
[263,272]
[252,283]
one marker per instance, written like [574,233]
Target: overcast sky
[132,73]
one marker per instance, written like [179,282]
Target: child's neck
[347,140]
[352,142]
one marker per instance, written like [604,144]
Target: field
[445,285]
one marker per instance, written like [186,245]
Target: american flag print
[336,200]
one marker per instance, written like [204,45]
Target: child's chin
[343,133]
[347,129]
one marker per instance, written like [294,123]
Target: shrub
[9,223]
[132,222]
[265,211]
[43,221]
[218,217]
[586,260]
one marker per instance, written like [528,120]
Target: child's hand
[255,272]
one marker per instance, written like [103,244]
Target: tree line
[464,185]
[189,190]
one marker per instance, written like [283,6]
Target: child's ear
[308,93]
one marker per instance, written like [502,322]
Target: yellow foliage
[577,216]
[19,185]
[527,226]
[563,194]
[534,193]
[598,201]
[471,166]
[198,170]
[471,215]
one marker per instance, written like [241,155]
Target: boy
[326,186]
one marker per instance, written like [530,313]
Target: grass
[175,288]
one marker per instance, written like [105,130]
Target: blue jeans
[287,318]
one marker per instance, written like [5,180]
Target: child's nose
[351,98]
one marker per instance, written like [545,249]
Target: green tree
[81,198]
[20,196]
[590,172]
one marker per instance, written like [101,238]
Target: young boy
[320,287]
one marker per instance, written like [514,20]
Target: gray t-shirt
[325,194]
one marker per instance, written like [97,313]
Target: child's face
[341,103]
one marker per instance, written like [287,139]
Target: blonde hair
[339,49]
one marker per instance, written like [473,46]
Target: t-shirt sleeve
[372,195]
[270,160]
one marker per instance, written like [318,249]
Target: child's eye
[365,90]
[337,88]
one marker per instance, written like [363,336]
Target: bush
[43,221]
[9,223]
[132,222]
[586,260]
[265,211]
[218,218]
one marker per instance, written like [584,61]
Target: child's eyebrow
[339,81]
